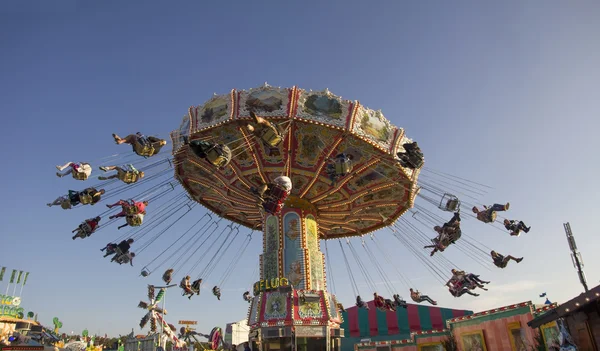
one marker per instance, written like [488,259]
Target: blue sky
[505,94]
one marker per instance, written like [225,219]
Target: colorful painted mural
[271,254]
[293,255]
[473,341]
[264,101]
[276,305]
[434,346]
[323,106]
[374,124]
[310,146]
[314,252]
[214,111]
[310,309]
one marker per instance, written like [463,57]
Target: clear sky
[502,93]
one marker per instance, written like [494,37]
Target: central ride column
[291,246]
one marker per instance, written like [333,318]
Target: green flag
[12,276]
[25,279]
[2,273]
[19,278]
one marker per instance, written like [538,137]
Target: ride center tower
[346,180]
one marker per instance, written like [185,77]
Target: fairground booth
[424,328]
[385,331]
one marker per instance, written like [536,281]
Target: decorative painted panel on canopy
[315,127]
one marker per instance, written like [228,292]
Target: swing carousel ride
[300,166]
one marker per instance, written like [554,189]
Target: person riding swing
[145,146]
[218,155]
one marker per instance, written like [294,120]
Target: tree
[57,324]
[450,343]
[30,315]
[538,342]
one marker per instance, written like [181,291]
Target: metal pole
[575,255]
[162,325]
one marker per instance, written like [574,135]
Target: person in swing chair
[218,155]
[272,196]
[187,287]
[399,302]
[247,297]
[87,228]
[448,234]
[501,261]
[122,247]
[127,174]
[488,214]
[79,171]
[360,303]
[89,196]
[269,133]
[125,258]
[339,167]
[217,292]
[145,146]
[416,296]
[412,157]
[515,227]
[469,280]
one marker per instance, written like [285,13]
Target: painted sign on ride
[10,307]
[269,284]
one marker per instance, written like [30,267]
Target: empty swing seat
[449,203]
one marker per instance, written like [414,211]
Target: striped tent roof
[375,324]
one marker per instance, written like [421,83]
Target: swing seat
[449,203]
[415,161]
[343,167]
[128,177]
[85,199]
[491,216]
[79,175]
[217,157]
[277,192]
[143,147]
[134,221]
[273,207]
[85,227]
[145,273]
[270,136]
[131,210]
[66,204]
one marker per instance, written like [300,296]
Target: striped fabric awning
[414,318]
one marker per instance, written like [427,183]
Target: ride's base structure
[292,309]
[288,319]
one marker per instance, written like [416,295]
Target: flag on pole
[2,273]
[25,279]
[19,278]
[12,276]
